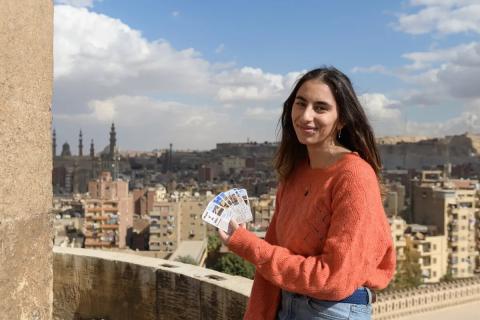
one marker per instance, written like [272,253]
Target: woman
[329,242]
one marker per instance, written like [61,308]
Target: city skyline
[195,74]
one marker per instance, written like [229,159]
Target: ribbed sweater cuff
[244,243]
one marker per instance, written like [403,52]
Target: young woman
[329,242]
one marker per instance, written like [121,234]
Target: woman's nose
[308,113]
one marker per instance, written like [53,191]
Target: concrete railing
[95,284]
[401,303]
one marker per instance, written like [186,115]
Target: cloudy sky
[195,73]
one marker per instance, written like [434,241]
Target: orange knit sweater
[329,235]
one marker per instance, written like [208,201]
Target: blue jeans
[300,307]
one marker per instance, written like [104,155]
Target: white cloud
[252,84]
[102,110]
[106,71]
[78,3]
[263,113]
[146,123]
[371,69]
[451,73]
[175,13]
[421,60]
[379,107]
[466,121]
[441,16]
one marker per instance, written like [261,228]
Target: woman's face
[314,114]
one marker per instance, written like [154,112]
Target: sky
[196,73]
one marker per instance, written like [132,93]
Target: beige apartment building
[263,209]
[173,220]
[108,213]
[232,164]
[398,227]
[433,252]
[192,227]
[164,221]
[431,248]
[450,205]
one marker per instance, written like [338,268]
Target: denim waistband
[362,295]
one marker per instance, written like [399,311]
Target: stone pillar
[26,72]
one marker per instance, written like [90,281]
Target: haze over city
[195,73]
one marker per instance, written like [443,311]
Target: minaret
[80,144]
[54,144]
[92,150]
[170,158]
[113,141]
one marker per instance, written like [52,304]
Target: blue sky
[195,73]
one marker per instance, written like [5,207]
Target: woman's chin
[308,141]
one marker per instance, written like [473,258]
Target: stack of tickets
[226,205]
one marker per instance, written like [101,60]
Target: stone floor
[467,311]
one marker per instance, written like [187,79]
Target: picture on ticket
[226,205]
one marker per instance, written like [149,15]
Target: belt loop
[369,294]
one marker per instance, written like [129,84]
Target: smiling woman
[328,244]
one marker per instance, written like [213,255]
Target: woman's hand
[232,226]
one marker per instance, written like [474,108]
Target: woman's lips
[308,130]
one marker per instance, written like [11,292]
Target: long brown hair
[356,133]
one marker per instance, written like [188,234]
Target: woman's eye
[300,104]
[319,108]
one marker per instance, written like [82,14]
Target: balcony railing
[116,285]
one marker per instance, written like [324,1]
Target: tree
[214,243]
[234,265]
[409,271]
[448,276]
[186,259]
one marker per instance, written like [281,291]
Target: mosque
[71,173]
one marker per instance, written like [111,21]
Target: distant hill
[421,152]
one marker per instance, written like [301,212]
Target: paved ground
[467,311]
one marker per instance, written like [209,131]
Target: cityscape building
[108,213]
[452,206]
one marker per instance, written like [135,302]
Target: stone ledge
[93,283]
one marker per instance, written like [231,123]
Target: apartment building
[164,225]
[451,205]
[173,220]
[263,209]
[433,251]
[398,227]
[108,213]
[394,202]
[232,164]
[432,248]
[192,227]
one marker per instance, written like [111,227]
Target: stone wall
[26,71]
[459,149]
[111,285]
[401,303]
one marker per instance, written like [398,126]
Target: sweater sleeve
[265,297]
[356,244]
